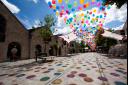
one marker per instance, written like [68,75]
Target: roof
[13,15]
[112,35]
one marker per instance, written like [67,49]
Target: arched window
[2,28]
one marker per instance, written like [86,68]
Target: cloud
[47,1]
[35,1]
[62,30]
[13,8]
[36,23]
[114,14]
[119,27]
[24,20]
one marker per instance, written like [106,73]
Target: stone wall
[37,40]
[15,32]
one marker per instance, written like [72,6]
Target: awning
[69,37]
[112,35]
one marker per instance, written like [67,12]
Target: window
[2,28]
[122,32]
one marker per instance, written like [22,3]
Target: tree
[49,21]
[103,41]
[99,39]
[119,3]
[45,31]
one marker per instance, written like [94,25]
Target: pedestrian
[14,53]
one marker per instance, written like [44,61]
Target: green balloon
[66,1]
[97,16]
[74,15]
[85,16]
[88,17]
[69,6]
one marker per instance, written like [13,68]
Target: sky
[30,12]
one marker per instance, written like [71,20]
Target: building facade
[14,35]
[55,47]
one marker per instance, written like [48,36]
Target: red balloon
[53,1]
[84,6]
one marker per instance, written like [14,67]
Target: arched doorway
[51,52]
[38,48]
[59,51]
[2,28]
[11,46]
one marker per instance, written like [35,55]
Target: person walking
[14,53]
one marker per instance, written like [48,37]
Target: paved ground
[82,69]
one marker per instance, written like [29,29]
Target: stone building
[55,47]
[14,35]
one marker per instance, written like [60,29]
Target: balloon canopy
[83,22]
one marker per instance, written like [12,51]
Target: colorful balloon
[75,3]
[53,1]
[60,1]
[81,1]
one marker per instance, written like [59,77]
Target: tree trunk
[45,48]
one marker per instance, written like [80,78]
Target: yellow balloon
[94,10]
[93,19]
[57,13]
[60,1]
[81,1]
[93,0]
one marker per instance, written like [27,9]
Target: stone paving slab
[82,69]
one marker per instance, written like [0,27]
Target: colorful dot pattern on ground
[82,69]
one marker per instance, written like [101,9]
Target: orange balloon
[54,6]
[87,4]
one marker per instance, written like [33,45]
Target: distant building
[14,34]
[123,32]
[56,47]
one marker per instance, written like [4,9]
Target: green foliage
[49,20]
[87,46]
[110,42]
[82,44]
[46,34]
[45,30]
[119,3]
[103,41]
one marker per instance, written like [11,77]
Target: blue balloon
[54,10]
[93,15]
[49,3]
[57,7]
[100,16]
[73,9]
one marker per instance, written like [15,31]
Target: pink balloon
[98,4]
[62,7]
[87,21]
[93,3]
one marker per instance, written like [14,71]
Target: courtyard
[80,69]
[63,42]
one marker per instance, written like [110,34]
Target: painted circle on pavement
[44,78]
